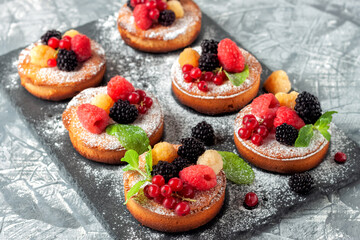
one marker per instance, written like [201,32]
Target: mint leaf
[238,78]
[149,162]
[128,168]
[326,117]
[323,124]
[130,137]
[325,133]
[236,169]
[305,135]
[132,158]
[134,190]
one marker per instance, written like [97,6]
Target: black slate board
[101,185]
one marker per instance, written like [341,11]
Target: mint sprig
[238,78]
[132,158]
[307,132]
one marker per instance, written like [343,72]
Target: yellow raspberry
[287,99]
[176,7]
[211,158]
[40,54]
[278,81]
[71,33]
[189,56]
[163,151]
[103,101]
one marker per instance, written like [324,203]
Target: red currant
[195,73]
[262,131]
[256,139]
[142,109]
[141,93]
[154,14]
[252,124]
[146,192]
[203,86]
[182,208]
[187,68]
[169,202]
[158,180]
[187,191]
[53,42]
[244,133]
[340,157]
[153,190]
[150,4]
[148,102]
[166,190]
[218,80]
[67,38]
[208,76]
[175,184]
[222,75]
[65,44]
[51,62]
[134,98]
[187,77]
[161,5]
[251,200]
[159,199]
[247,117]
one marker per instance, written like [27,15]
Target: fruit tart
[159,25]
[60,66]
[104,122]
[287,136]
[217,78]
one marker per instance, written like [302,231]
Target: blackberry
[165,169]
[308,107]
[49,34]
[191,149]
[208,62]
[166,17]
[128,4]
[286,134]
[66,60]
[123,112]
[181,163]
[301,183]
[209,46]
[203,132]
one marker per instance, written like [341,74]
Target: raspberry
[92,118]
[209,46]
[286,134]
[265,105]
[200,177]
[40,54]
[141,16]
[124,113]
[81,45]
[103,101]
[181,163]
[167,17]
[51,33]
[208,62]
[287,99]
[203,132]
[230,56]
[66,60]
[308,107]
[165,169]
[191,149]
[277,82]
[301,183]
[163,151]
[189,56]
[71,33]
[289,116]
[119,88]
[176,7]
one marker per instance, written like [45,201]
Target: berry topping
[208,62]
[153,190]
[165,169]
[176,184]
[289,116]
[92,118]
[123,112]
[256,139]
[51,62]
[218,80]
[251,124]
[142,109]
[301,182]
[187,191]
[191,149]
[244,133]
[251,200]
[265,105]
[53,42]
[103,101]
[159,199]
[189,56]
[81,45]
[158,180]
[208,76]
[209,46]
[203,132]
[148,102]
[169,202]
[247,117]
[262,131]
[230,56]
[134,98]
[40,54]
[340,157]
[68,38]
[186,68]
[119,88]
[71,33]
[167,17]
[195,73]
[211,158]
[66,60]
[176,7]
[161,5]
[200,177]
[65,44]
[146,192]
[287,99]
[187,77]
[150,4]
[286,134]
[141,93]
[154,14]
[163,151]
[181,163]
[51,33]
[182,209]
[277,82]
[166,190]
[308,107]
[141,17]
[203,86]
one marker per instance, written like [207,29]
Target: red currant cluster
[139,98]
[55,43]
[172,195]
[255,130]
[192,74]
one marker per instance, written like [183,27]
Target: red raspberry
[200,177]
[230,56]
[92,118]
[141,16]
[289,116]
[265,105]
[119,88]
[81,45]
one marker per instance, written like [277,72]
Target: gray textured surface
[315,42]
